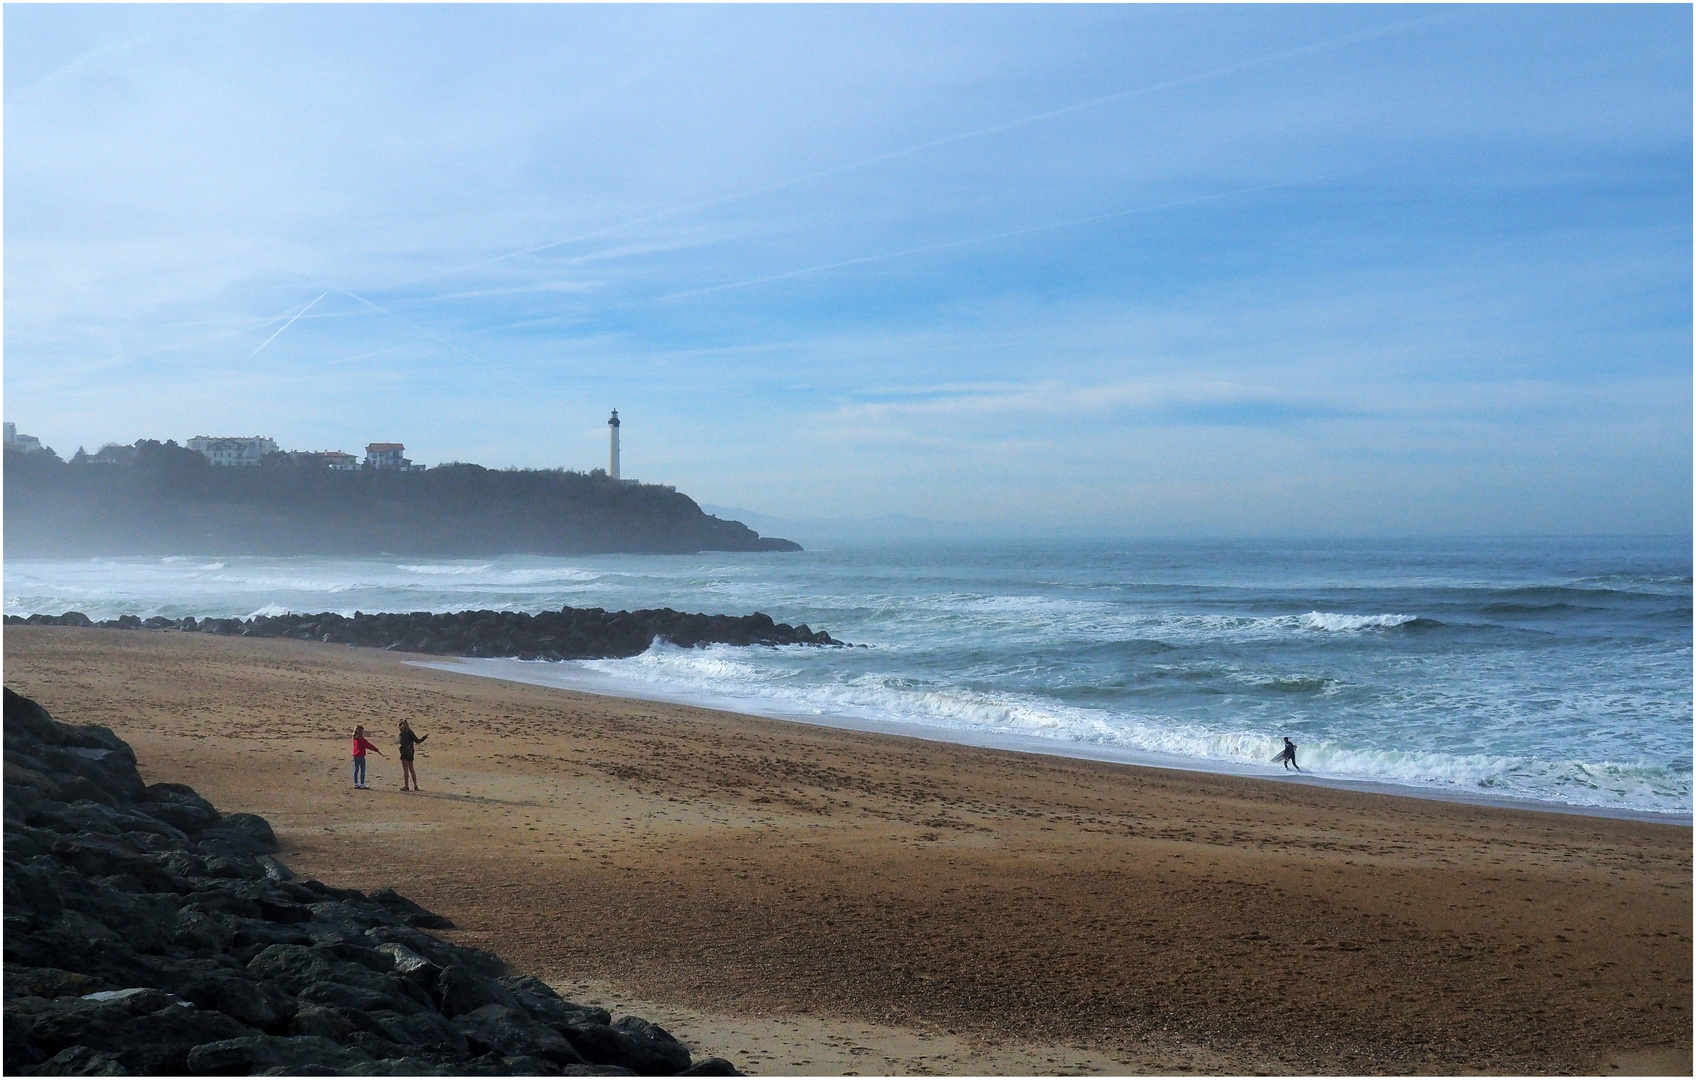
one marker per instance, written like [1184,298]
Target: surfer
[1288,756]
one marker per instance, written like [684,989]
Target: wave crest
[1335,623]
[440,568]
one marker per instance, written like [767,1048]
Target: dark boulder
[441,953]
[644,1048]
[660,1054]
[540,1000]
[247,834]
[32,896]
[408,912]
[257,1053]
[182,806]
[93,855]
[387,992]
[459,990]
[292,967]
[415,969]
[322,1021]
[253,1003]
[429,1030]
[713,1066]
[48,982]
[147,1031]
[512,1033]
[81,1061]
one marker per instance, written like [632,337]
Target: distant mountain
[171,501]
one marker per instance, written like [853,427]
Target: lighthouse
[612,428]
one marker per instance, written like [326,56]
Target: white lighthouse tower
[612,427]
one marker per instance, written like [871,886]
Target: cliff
[171,502]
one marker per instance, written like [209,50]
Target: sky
[1106,270]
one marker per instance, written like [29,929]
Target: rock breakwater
[147,933]
[567,634]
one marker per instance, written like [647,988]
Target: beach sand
[803,900]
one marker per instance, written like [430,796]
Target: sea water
[1548,670]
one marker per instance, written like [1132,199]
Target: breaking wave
[1325,620]
[761,682]
[436,568]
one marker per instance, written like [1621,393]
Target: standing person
[408,741]
[360,745]
[1288,755]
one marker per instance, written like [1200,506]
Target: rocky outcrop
[148,933]
[566,634]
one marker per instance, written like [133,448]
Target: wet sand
[804,900]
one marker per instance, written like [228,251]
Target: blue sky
[1118,270]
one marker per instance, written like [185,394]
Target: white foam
[878,703]
[1325,620]
[758,681]
[439,568]
[550,576]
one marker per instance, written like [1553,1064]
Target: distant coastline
[170,501]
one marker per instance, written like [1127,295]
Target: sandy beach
[808,901]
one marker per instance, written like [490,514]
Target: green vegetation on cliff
[171,502]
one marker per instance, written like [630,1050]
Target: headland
[820,896]
[168,500]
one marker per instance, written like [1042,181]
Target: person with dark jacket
[1288,755]
[408,742]
[360,745]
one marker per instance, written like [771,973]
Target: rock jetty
[147,933]
[567,634]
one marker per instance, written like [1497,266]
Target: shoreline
[493,668]
[792,892]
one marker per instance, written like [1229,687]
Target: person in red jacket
[360,745]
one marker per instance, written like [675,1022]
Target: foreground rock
[147,933]
[566,634]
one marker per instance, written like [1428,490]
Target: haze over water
[1555,670]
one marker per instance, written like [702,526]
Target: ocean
[1550,671]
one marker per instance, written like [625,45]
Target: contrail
[1006,125]
[405,322]
[286,325]
[984,239]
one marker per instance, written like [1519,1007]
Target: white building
[29,444]
[387,455]
[233,450]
